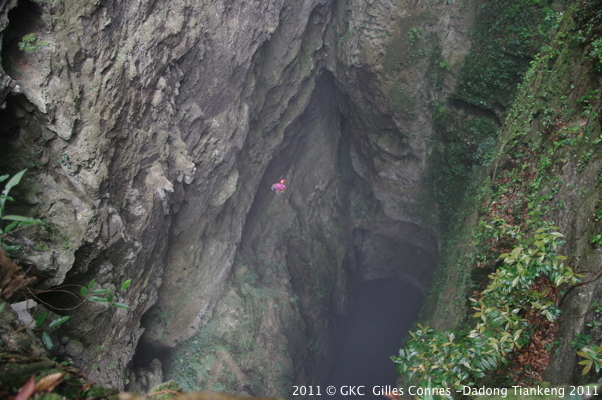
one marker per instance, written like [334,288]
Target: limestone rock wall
[153,130]
[134,114]
[393,61]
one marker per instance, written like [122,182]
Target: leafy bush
[506,37]
[593,357]
[445,359]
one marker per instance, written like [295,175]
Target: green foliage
[581,340]
[125,285]
[512,284]
[593,358]
[17,221]
[59,321]
[450,359]
[414,35]
[596,240]
[590,32]
[596,53]
[98,295]
[590,352]
[89,293]
[191,362]
[549,127]
[30,43]
[509,33]
[46,339]
[445,65]
[164,391]
[41,318]
[467,146]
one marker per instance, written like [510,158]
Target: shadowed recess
[383,311]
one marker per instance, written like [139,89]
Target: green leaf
[549,316]
[14,181]
[99,299]
[126,284]
[496,322]
[9,185]
[47,340]
[587,368]
[10,226]
[41,318]
[558,280]
[102,291]
[120,305]
[92,283]
[84,291]
[24,220]
[59,321]
[110,297]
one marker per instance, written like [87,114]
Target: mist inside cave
[346,330]
[383,311]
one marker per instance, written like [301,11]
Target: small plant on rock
[16,221]
[30,43]
[106,296]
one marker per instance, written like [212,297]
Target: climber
[279,187]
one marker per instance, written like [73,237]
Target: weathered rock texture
[153,130]
[546,168]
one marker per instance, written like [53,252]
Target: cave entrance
[383,311]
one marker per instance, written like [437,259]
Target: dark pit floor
[382,313]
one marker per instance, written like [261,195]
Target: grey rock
[74,348]
[158,128]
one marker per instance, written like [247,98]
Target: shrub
[30,43]
[446,359]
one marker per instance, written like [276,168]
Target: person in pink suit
[279,187]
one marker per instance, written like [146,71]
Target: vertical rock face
[390,64]
[153,131]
